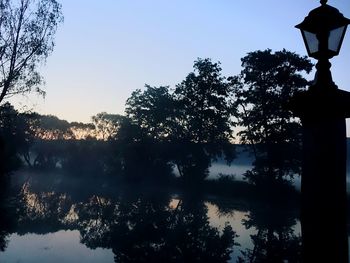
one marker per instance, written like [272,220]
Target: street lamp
[322,110]
[323,31]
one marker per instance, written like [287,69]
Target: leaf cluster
[263,89]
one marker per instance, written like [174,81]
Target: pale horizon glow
[107,49]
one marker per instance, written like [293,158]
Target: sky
[106,49]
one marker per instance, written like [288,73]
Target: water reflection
[7,213]
[62,246]
[4,228]
[149,226]
[276,239]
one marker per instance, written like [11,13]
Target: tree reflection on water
[152,226]
[275,240]
[137,227]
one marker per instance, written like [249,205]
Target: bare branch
[27,28]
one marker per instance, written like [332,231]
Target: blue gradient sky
[107,48]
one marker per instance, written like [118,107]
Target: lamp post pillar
[323,187]
[323,109]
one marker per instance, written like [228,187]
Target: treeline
[40,140]
[187,126]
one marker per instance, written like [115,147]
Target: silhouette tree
[203,117]
[204,108]
[87,158]
[152,110]
[262,90]
[194,121]
[106,125]
[82,131]
[146,133]
[49,127]
[17,136]
[137,156]
[27,29]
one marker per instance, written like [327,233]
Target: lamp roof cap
[324,17]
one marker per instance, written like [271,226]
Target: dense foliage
[15,138]
[186,127]
[266,84]
[194,120]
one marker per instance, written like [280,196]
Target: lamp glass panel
[334,39]
[311,41]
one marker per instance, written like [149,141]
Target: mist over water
[53,223]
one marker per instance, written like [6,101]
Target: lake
[48,217]
[244,162]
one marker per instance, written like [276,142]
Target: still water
[60,246]
[48,219]
[66,246]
